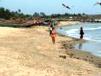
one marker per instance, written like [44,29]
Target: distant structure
[65,6]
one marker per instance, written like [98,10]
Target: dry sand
[30,52]
[65,23]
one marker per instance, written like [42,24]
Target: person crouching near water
[81,32]
[53,35]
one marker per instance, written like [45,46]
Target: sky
[52,6]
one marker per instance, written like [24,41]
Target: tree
[42,14]
[7,14]
[2,12]
[36,14]
[19,10]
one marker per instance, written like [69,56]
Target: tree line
[7,14]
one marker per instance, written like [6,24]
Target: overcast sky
[52,6]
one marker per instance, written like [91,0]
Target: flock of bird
[66,6]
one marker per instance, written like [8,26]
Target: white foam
[72,31]
[92,28]
[75,33]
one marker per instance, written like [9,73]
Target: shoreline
[74,53]
[30,52]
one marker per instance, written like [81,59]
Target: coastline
[30,52]
[78,54]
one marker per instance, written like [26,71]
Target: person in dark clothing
[81,32]
[51,25]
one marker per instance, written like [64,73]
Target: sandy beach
[78,54]
[65,23]
[30,52]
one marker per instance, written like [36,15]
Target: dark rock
[62,56]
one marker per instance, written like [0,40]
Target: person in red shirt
[53,35]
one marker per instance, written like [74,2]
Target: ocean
[92,35]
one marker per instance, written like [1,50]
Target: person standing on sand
[50,27]
[52,30]
[81,32]
[53,35]
[52,24]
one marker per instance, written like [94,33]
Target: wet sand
[78,54]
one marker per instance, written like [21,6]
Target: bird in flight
[66,6]
[98,3]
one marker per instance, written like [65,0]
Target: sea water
[92,33]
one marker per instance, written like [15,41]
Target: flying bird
[98,3]
[66,6]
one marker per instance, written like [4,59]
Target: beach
[77,46]
[30,52]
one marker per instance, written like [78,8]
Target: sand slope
[30,52]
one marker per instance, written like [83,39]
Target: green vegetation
[7,14]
